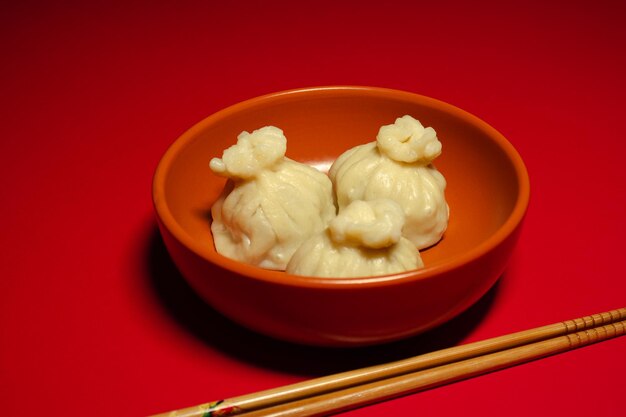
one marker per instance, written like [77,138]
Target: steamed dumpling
[271,203]
[398,166]
[365,239]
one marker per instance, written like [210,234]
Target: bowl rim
[282,278]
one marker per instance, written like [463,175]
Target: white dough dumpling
[398,166]
[364,239]
[271,203]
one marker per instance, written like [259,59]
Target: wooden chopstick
[352,389]
[381,390]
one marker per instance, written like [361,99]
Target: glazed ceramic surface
[487,192]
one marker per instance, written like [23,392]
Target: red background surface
[95,319]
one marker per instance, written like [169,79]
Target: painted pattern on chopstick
[222,411]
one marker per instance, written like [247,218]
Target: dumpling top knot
[408,141]
[253,153]
[373,224]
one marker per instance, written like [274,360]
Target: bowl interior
[479,165]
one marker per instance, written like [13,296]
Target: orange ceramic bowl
[488,192]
